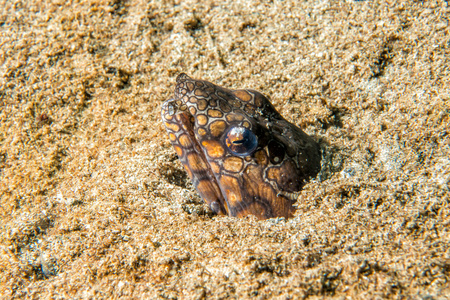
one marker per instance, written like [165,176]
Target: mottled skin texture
[263,181]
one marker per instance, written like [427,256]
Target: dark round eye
[241,141]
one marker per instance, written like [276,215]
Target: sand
[95,204]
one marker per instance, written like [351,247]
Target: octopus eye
[241,141]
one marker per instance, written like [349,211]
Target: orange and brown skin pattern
[241,155]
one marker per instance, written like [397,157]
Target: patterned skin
[241,155]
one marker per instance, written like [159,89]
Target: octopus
[241,155]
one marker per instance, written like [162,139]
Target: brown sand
[95,205]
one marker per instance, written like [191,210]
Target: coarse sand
[94,203]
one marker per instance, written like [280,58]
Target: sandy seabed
[95,205]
